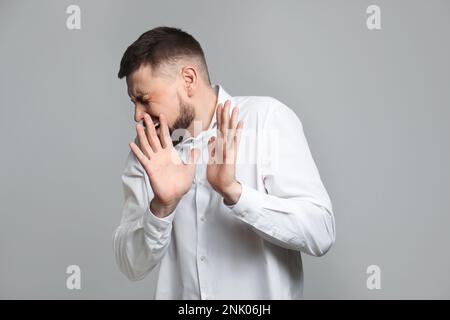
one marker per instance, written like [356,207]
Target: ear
[190,78]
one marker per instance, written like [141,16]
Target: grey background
[374,105]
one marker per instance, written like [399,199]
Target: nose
[139,113]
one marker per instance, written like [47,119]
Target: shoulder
[263,108]
[133,167]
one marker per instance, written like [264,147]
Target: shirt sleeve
[142,238]
[294,211]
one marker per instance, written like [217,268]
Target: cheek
[174,108]
[169,105]
[171,111]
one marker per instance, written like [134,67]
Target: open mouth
[156,123]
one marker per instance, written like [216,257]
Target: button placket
[202,201]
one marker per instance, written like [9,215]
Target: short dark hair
[162,45]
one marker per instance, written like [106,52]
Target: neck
[205,109]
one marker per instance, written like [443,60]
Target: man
[221,193]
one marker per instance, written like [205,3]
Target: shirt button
[202,258]
[202,218]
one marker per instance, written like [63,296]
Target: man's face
[155,94]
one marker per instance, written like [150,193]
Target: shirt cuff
[248,205]
[157,227]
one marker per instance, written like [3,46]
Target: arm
[295,212]
[155,174]
[142,238]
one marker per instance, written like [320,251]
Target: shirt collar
[222,96]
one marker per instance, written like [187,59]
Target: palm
[223,149]
[169,177]
[220,174]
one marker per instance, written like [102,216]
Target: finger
[237,137]
[138,153]
[225,117]
[166,141]
[151,133]
[211,150]
[147,150]
[234,117]
[219,116]
[219,154]
[233,124]
[232,150]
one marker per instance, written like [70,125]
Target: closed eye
[143,102]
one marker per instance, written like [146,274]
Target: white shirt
[208,250]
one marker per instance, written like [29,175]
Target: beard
[183,121]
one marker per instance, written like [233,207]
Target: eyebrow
[139,95]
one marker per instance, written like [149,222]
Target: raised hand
[169,177]
[223,150]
